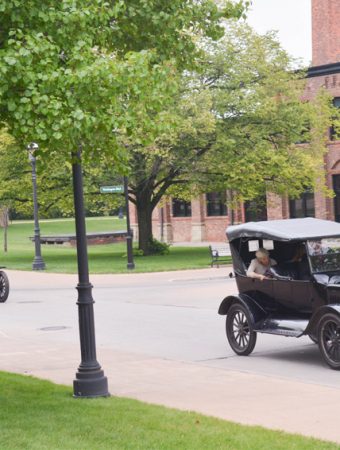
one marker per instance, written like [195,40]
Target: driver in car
[260,266]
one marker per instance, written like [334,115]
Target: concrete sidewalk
[241,396]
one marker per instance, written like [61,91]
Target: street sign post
[123,189]
[119,189]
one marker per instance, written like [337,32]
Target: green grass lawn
[39,415]
[110,258]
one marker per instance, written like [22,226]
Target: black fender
[255,311]
[331,308]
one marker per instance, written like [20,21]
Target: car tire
[4,286]
[240,335]
[329,339]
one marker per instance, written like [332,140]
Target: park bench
[219,254]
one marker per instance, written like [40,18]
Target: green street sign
[112,189]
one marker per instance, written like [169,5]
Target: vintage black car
[298,297]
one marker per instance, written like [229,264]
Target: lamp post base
[38,264]
[90,384]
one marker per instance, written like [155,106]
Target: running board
[282,326]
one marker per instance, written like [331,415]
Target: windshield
[324,254]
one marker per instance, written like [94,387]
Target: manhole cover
[56,328]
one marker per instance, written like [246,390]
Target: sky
[291,18]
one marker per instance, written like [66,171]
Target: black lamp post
[130,263]
[38,262]
[90,380]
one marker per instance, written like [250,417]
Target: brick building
[325,71]
[205,218]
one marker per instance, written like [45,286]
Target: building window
[303,206]
[256,210]
[216,204]
[332,131]
[181,208]
[336,188]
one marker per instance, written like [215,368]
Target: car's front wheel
[329,340]
[241,337]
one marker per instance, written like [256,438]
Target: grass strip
[37,415]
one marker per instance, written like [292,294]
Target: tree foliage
[241,126]
[53,183]
[76,71]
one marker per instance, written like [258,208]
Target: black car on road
[298,297]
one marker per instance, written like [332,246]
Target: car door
[261,291]
[296,295]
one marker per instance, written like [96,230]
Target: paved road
[159,339]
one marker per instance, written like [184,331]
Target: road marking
[199,280]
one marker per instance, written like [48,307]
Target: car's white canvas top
[285,230]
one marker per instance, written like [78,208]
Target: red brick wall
[325,31]
[333,168]
[215,228]
[181,229]
[329,82]
[274,206]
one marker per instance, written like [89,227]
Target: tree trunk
[144,215]
[5,240]
[4,224]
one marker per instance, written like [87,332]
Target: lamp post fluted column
[38,262]
[90,380]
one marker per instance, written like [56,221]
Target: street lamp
[130,264]
[90,380]
[38,262]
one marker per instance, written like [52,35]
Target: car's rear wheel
[4,286]
[241,337]
[329,340]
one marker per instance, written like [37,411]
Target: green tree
[238,122]
[53,181]
[75,73]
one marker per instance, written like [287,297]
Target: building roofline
[326,69]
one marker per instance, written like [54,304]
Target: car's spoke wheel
[4,286]
[329,340]
[241,337]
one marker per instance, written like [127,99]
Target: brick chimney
[325,32]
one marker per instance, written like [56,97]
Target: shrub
[158,248]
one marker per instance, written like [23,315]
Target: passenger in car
[301,263]
[300,254]
[260,266]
